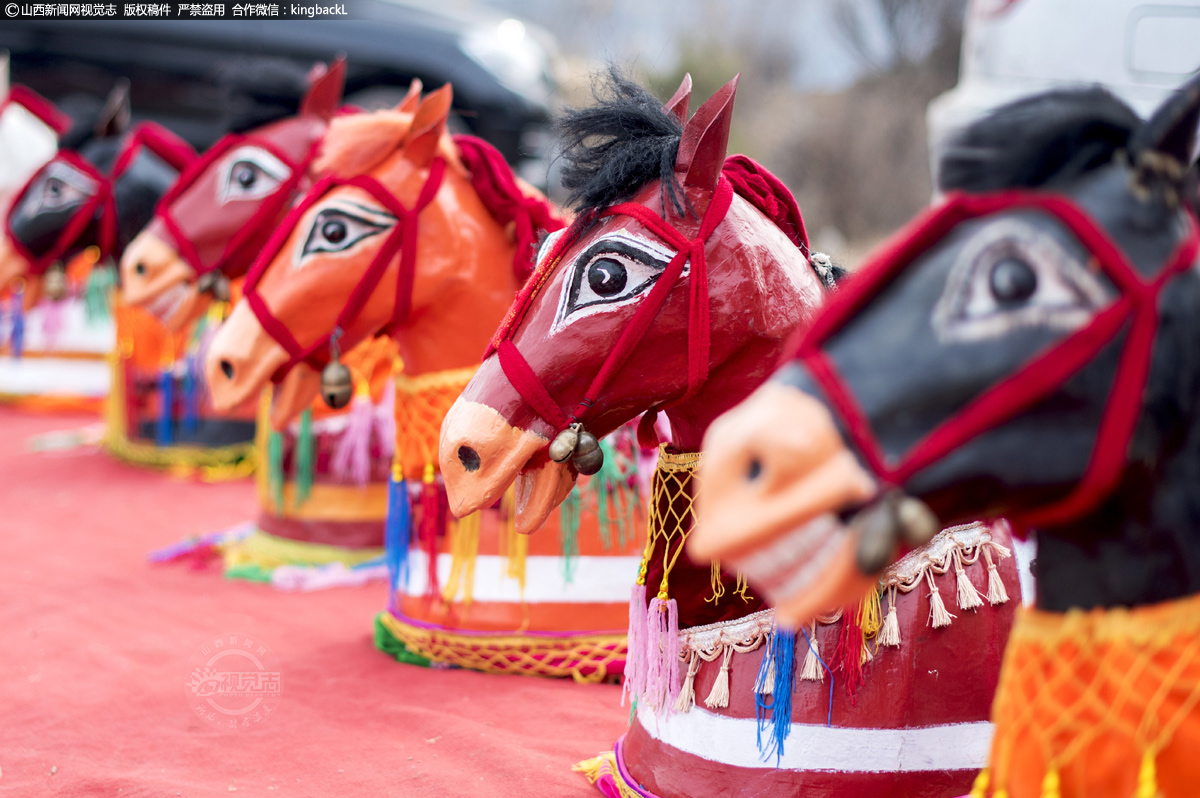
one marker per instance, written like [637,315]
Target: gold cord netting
[422,402]
[1098,703]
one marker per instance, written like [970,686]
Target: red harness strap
[39,106]
[268,211]
[533,390]
[1136,309]
[155,138]
[402,239]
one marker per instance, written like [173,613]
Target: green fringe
[616,500]
[275,469]
[302,463]
[386,642]
[249,573]
[568,533]
[97,293]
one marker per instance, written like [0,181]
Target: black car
[501,69]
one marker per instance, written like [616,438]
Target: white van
[1137,49]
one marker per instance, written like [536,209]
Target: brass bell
[337,385]
[588,456]
[877,531]
[918,524]
[54,284]
[215,284]
[563,445]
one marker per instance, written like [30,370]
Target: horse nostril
[140,268]
[227,369]
[469,458]
[754,470]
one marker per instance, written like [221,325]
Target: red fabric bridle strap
[270,208]
[401,239]
[155,138]
[688,251]
[39,106]
[1135,310]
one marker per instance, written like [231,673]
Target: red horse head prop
[213,222]
[671,291]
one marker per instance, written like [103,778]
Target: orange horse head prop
[399,238]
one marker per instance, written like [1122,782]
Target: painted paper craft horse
[426,238]
[1027,348]
[215,219]
[675,291]
[29,131]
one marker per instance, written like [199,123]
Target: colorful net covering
[1099,703]
[422,401]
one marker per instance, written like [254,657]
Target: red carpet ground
[97,646]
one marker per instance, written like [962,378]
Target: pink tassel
[635,660]
[352,455]
[52,321]
[662,672]
[385,422]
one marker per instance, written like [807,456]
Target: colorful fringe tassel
[396,531]
[303,459]
[781,658]
[568,533]
[352,456]
[275,469]
[96,292]
[16,340]
[662,652]
[635,661]
[166,394]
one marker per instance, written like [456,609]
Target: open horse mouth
[481,455]
[155,278]
[775,475]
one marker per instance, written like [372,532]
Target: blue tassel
[191,398]
[779,703]
[396,533]
[166,392]
[17,339]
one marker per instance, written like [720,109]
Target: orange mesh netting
[422,401]
[1099,703]
[583,658]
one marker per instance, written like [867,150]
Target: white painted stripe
[44,376]
[731,741]
[594,579]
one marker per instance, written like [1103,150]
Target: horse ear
[1171,131]
[706,138]
[428,125]
[357,143]
[325,89]
[413,99]
[677,106]
[116,114]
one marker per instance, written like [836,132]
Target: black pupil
[607,277]
[245,175]
[54,187]
[334,231]
[1013,280]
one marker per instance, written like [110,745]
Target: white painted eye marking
[611,272]
[339,225]
[547,244]
[1014,274]
[248,173]
[60,187]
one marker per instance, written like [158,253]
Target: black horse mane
[258,91]
[615,148]
[1038,141]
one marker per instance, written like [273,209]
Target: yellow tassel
[719,695]
[979,790]
[1050,785]
[606,764]
[687,696]
[714,580]
[1147,777]
[463,551]
[812,670]
[937,609]
[591,768]
[514,546]
[743,588]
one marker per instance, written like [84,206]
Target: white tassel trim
[968,596]
[719,695]
[687,696]
[812,670]
[996,593]
[937,609]
[889,633]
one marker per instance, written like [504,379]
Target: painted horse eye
[335,229]
[56,193]
[612,271]
[607,277]
[1013,280]
[250,173]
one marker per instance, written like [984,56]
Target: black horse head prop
[1028,349]
[99,190]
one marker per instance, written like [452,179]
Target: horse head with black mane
[1029,348]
